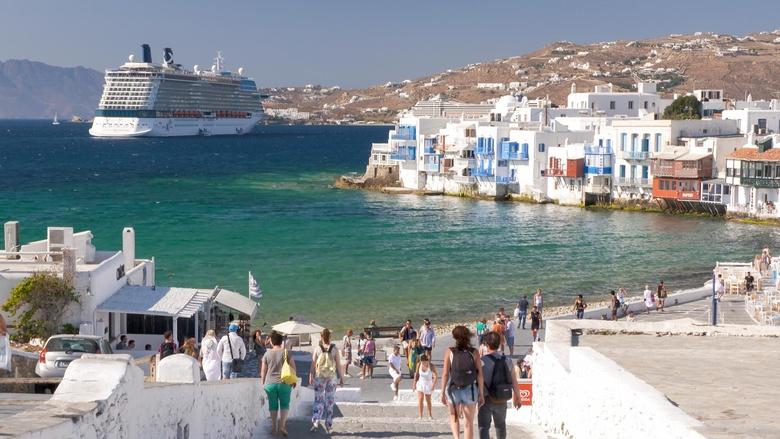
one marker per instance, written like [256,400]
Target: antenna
[218,61]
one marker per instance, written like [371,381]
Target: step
[382,427]
[403,410]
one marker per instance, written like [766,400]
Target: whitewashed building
[605,101]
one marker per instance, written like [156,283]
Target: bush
[38,302]
[69,328]
[684,107]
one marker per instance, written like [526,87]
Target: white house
[604,101]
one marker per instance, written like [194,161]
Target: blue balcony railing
[404,154]
[598,170]
[431,167]
[506,179]
[477,172]
[598,150]
[636,155]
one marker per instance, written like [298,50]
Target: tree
[38,303]
[684,107]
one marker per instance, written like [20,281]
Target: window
[541,147]
[622,171]
[777,171]
[146,324]
[657,142]
[645,172]
[623,140]
[634,140]
[726,190]
[611,105]
[768,171]
[645,105]
[630,105]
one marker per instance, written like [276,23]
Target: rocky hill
[679,63]
[30,89]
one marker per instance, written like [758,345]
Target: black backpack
[500,389]
[463,370]
[166,349]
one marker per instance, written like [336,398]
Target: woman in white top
[649,299]
[424,382]
[209,358]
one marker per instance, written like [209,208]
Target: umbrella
[294,327]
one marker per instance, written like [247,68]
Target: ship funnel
[168,55]
[147,53]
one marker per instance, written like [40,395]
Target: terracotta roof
[745,154]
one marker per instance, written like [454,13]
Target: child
[394,368]
[425,378]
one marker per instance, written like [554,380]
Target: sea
[211,209]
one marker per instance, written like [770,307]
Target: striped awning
[161,301]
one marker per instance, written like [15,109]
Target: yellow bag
[288,376]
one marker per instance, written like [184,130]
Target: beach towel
[5,353]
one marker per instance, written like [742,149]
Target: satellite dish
[131,58]
[241,71]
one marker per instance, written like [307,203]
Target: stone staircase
[388,420]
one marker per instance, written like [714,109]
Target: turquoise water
[210,209]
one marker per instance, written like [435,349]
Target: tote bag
[287,376]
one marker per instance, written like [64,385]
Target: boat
[161,100]
[55,121]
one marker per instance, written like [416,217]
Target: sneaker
[347,375]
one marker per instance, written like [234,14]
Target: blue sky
[347,42]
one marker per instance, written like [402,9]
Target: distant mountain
[678,63]
[30,89]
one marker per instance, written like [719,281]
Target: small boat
[55,121]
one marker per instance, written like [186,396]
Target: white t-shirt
[395,360]
[510,329]
[648,297]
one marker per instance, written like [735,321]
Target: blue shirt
[523,304]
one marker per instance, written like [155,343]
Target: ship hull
[172,127]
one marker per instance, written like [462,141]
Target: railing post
[714,301]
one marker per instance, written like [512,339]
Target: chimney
[69,265]
[11,234]
[168,56]
[128,248]
[147,53]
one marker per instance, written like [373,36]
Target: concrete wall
[580,393]
[105,396]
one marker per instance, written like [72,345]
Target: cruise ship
[144,99]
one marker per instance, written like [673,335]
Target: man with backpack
[500,387]
[232,350]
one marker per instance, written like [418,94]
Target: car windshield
[72,345]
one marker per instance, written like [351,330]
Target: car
[60,350]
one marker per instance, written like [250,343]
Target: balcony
[635,155]
[403,155]
[477,172]
[431,167]
[663,171]
[464,179]
[598,170]
[637,182]
[760,182]
[506,179]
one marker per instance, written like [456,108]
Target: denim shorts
[510,341]
[368,360]
[467,395]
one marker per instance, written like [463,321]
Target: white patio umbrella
[294,327]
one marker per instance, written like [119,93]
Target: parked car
[60,350]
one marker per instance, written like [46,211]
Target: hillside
[679,63]
[30,89]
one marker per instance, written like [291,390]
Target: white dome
[507,100]
[131,58]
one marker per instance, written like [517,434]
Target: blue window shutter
[645,172]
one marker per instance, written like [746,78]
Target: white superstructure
[144,99]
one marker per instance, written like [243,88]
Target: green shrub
[38,302]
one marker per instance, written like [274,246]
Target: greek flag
[254,288]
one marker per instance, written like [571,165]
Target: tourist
[209,359]
[462,383]
[509,336]
[260,347]
[500,385]
[346,351]
[189,348]
[325,370]
[394,369]
[500,328]
[168,346]
[720,287]
[579,307]
[522,312]
[630,317]
[361,345]
[622,295]
[538,300]
[661,294]
[536,323]
[415,352]
[369,355]
[427,337]
[649,299]
[372,329]
[749,283]
[122,343]
[614,304]
[425,378]
[271,379]
[131,345]
[232,351]
[406,335]
[481,329]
